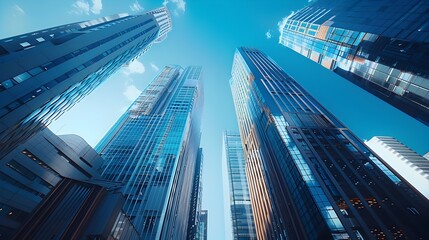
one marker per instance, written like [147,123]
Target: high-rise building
[196,198]
[77,210]
[410,165]
[309,176]
[202,225]
[238,202]
[381,46]
[30,172]
[44,73]
[426,156]
[153,150]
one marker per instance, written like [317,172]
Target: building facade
[410,165]
[153,150]
[309,176]
[196,198]
[239,204]
[382,47]
[202,225]
[30,172]
[44,73]
[76,210]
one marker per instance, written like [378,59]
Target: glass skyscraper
[44,73]
[239,203]
[153,149]
[309,176]
[381,46]
[202,225]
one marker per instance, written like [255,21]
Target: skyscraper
[309,176]
[238,204]
[410,165]
[44,73]
[196,198]
[202,225]
[154,150]
[381,46]
[30,172]
[77,210]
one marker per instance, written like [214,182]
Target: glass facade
[67,62]
[382,47]
[153,150]
[308,175]
[196,198]
[240,205]
[202,225]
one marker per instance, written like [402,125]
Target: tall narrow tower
[309,177]
[154,151]
[238,202]
[381,46]
[44,73]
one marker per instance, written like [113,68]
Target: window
[7,84]
[40,39]
[14,105]
[17,167]
[35,71]
[25,44]
[22,77]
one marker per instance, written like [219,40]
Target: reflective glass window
[22,77]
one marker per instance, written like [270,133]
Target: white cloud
[83,7]
[135,67]
[136,7]
[179,4]
[97,6]
[154,67]
[131,92]
[18,9]
[281,24]
[268,34]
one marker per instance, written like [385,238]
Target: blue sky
[206,33]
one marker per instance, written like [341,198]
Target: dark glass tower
[202,225]
[196,198]
[154,151]
[239,203]
[309,177]
[381,46]
[44,73]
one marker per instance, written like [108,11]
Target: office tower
[240,207]
[202,225]
[410,165]
[76,210]
[44,73]
[153,151]
[196,198]
[426,156]
[309,176]
[30,172]
[381,46]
